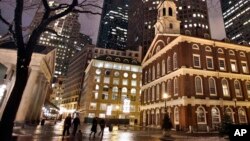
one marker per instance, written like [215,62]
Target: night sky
[90,23]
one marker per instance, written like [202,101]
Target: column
[28,97]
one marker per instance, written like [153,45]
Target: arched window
[115,89]
[237,88]
[149,94]
[176,115]
[133,91]
[195,46]
[171,26]
[231,52]
[145,96]
[175,86]
[201,115]
[153,73]
[124,90]
[145,77]
[220,51]
[153,93]
[169,87]
[225,87]
[149,75]
[198,85]
[164,12]
[97,87]
[163,88]
[157,92]
[163,67]
[248,88]
[175,61]
[170,11]
[158,49]
[212,86]
[229,112]
[158,70]
[168,65]
[208,49]
[242,54]
[242,116]
[215,115]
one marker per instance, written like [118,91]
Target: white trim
[197,55]
[196,85]
[210,57]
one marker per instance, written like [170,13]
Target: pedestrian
[94,127]
[102,126]
[67,124]
[76,122]
[79,135]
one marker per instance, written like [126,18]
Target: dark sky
[90,23]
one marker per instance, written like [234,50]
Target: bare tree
[25,50]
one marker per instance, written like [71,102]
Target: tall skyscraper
[114,25]
[143,16]
[236,15]
[68,41]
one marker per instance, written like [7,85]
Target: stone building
[196,81]
[40,74]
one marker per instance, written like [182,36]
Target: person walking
[94,127]
[67,124]
[76,122]
[102,126]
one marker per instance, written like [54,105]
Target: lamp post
[165,97]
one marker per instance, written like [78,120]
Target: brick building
[202,78]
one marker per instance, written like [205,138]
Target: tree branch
[46,5]
[4,20]
[86,11]
[52,31]
[89,4]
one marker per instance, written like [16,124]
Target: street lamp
[165,97]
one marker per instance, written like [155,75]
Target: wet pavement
[51,132]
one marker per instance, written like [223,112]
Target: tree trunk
[9,113]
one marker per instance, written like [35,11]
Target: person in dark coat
[102,126]
[67,124]
[76,122]
[94,127]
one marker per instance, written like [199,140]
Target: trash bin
[43,122]
[110,128]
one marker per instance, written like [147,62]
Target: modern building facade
[112,89]
[40,74]
[113,25]
[193,15]
[194,80]
[68,41]
[236,19]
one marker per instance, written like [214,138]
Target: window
[169,87]
[163,67]
[244,67]
[168,65]
[124,90]
[97,79]
[175,61]
[95,95]
[163,89]
[231,52]
[222,64]
[133,83]
[158,70]
[133,91]
[196,61]
[195,47]
[145,96]
[201,115]
[153,73]
[134,75]
[98,71]
[237,88]
[96,87]
[149,75]
[116,73]
[215,115]
[114,96]
[170,11]
[233,65]
[103,106]
[92,106]
[107,72]
[242,54]
[145,77]
[210,64]
[164,11]
[106,80]
[148,98]
[170,25]
[229,112]
[248,88]
[115,89]
[153,93]
[198,85]
[125,82]
[105,96]
[225,87]
[220,51]
[212,86]
[175,86]
[208,49]
[125,74]
[176,115]
[157,92]
[116,81]
[242,116]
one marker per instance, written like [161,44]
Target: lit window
[168,65]
[237,88]
[222,64]
[92,106]
[176,115]
[116,73]
[125,82]
[198,85]
[158,70]
[134,75]
[98,71]
[124,90]
[133,91]
[157,92]
[233,65]
[196,61]
[116,81]
[212,86]
[153,73]
[133,83]
[242,116]
[248,88]
[244,67]
[125,75]
[175,86]
[225,87]
[175,61]
[215,115]
[201,115]
[209,61]
[163,67]
[103,106]
[229,112]
[106,80]
[153,93]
